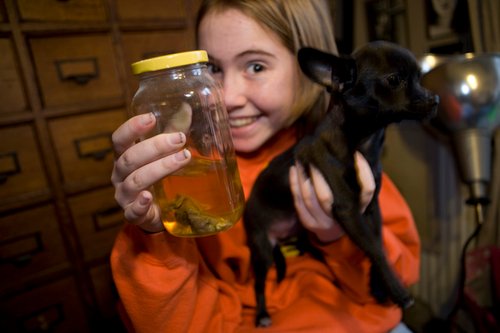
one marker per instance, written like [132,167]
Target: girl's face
[259,74]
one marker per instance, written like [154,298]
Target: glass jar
[205,196]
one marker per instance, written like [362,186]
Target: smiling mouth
[241,122]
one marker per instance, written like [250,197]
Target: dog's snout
[435,99]
[432,101]
[424,104]
[432,105]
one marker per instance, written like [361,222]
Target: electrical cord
[490,220]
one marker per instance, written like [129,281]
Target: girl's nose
[234,91]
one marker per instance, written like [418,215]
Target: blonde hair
[297,23]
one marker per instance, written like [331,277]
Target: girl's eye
[213,68]
[255,68]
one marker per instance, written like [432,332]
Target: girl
[170,284]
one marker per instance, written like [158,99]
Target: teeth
[240,122]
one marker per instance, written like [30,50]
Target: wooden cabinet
[13,98]
[63,11]
[84,148]
[76,69]
[22,172]
[66,85]
[97,217]
[53,307]
[31,246]
[151,9]
[142,45]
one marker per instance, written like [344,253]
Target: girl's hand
[139,165]
[313,198]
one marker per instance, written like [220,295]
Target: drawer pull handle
[107,218]
[19,250]
[81,71]
[9,165]
[43,320]
[95,146]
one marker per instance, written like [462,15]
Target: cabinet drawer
[21,173]
[151,9]
[12,98]
[84,147]
[30,245]
[106,294]
[57,10]
[55,307]
[76,70]
[98,219]
[139,46]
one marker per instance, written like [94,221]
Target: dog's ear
[327,69]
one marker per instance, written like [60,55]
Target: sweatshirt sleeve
[164,285]
[401,243]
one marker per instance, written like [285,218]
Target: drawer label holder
[9,165]
[80,71]
[96,146]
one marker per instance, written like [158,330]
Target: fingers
[296,187]
[143,213]
[308,196]
[131,130]
[323,192]
[313,198]
[139,165]
[145,176]
[310,212]
[145,152]
[365,179]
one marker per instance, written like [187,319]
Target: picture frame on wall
[448,26]
[387,21]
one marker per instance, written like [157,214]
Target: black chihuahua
[377,85]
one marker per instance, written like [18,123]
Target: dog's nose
[430,99]
[435,100]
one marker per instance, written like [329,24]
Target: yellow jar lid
[169,61]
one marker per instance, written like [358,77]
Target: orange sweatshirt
[170,284]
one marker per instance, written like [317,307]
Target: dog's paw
[263,321]
[408,303]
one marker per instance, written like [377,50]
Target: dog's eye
[393,80]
